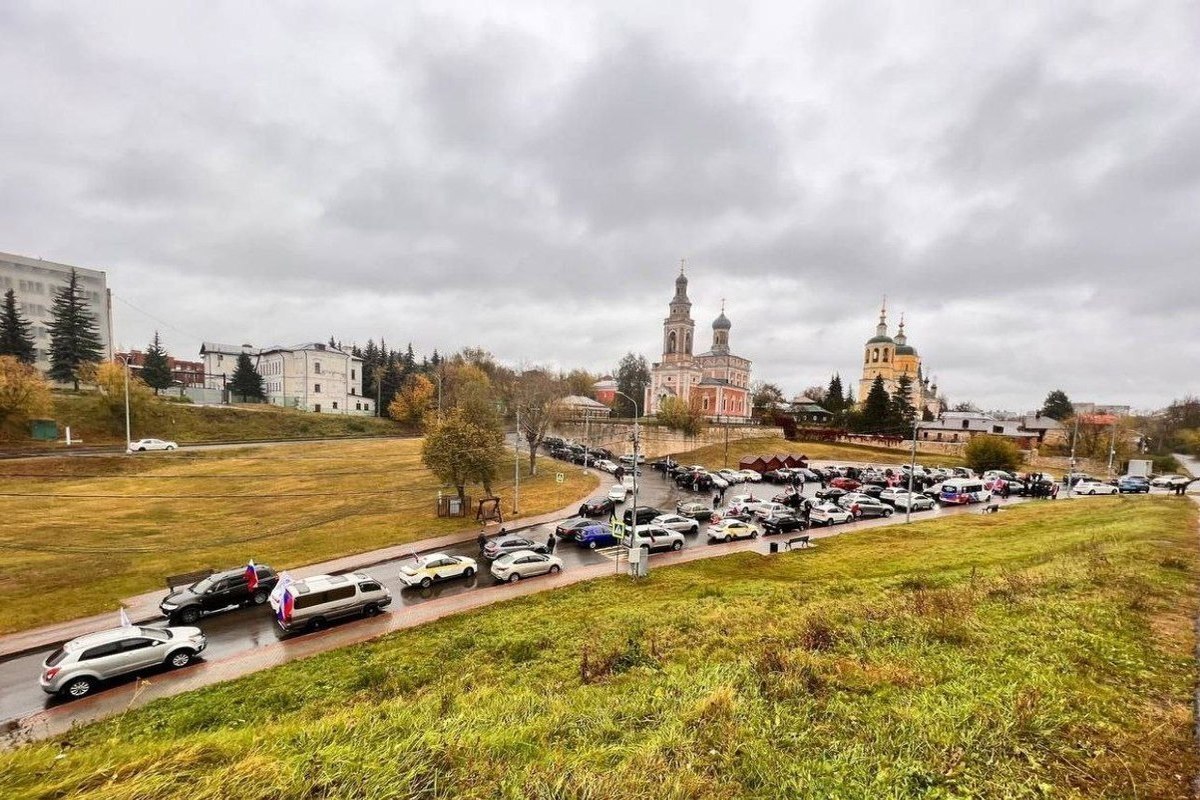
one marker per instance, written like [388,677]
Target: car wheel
[514,577]
[141,449]
[426,582]
[80,687]
[695,529]
[1093,491]
[172,447]
[728,538]
[469,572]
[555,569]
[189,615]
[592,545]
[887,513]
[259,597]
[677,545]
[370,610]
[753,534]
[180,659]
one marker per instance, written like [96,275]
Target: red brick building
[185,373]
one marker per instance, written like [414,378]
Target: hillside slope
[1043,652]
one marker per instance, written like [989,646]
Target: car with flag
[82,664]
[730,529]
[311,604]
[436,567]
[239,586]
[598,534]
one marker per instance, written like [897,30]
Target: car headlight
[168,606]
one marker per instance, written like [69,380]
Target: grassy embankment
[713,455]
[159,514]
[1043,652]
[186,423]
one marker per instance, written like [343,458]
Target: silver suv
[78,667]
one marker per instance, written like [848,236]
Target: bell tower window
[671,342]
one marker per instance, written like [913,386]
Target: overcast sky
[1023,180]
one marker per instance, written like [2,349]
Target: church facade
[716,382]
[892,358]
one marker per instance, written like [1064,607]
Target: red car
[848,484]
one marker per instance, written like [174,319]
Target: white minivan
[311,604]
[960,491]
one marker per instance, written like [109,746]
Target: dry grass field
[128,521]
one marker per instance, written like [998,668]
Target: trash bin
[774,547]
[43,430]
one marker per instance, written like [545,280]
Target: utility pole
[912,468]
[517,467]
[1071,469]
[633,512]
[1112,448]
[128,439]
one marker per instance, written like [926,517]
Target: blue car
[1133,484]
[595,536]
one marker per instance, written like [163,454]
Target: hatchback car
[828,514]
[677,522]
[142,445]
[785,523]
[846,484]
[865,506]
[1132,484]
[218,591]
[1094,487]
[512,544]
[596,535]
[730,529]
[618,492]
[512,567]
[570,528]
[79,666]
[437,567]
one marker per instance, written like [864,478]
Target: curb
[463,538]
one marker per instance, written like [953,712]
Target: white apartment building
[310,376]
[34,283]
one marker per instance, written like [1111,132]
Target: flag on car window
[285,606]
[251,576]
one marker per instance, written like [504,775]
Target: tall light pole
[1071,469]
[912,468]
[1112,448]
[517,466]
[128,439]
[633,513]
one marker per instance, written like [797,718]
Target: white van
[960,491]
[311,604]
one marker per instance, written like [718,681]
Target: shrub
[992,452]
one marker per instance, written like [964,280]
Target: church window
[687,343]
[671,342]
[875,354]
[885,355]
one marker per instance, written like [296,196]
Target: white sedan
[513,567]
[731,475]
[142,445]
[437,567]
[730,529]
[618,492]
[676,522]
[605,465]
[1095,487]
[750,475]
[828,514]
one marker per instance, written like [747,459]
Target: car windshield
[203,585]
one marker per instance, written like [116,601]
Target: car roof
[319,583]
[101,637]
[515,553]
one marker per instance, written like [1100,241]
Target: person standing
[482,539]
[716,498]
[550,542]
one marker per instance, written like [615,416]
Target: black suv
[782,524]
[644,516]
[216,592]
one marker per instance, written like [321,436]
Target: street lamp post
[633,513]
[1071,468]
[128,439]
[912,468]
[517,466]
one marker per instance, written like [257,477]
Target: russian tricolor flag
[251,576]
[285,607]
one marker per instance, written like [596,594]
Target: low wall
[656,441]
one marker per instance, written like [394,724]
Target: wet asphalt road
[237,631]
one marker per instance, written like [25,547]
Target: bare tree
[536,395]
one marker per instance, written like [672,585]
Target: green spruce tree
[74,335]
[156,370]
[16,336]
[903,411]
[246,382]
[877,409]
[1057,406]
[834,402]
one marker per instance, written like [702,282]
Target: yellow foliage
[24,394]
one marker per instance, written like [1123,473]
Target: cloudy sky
[1023,180]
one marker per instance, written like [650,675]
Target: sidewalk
[143,608]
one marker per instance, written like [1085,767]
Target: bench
[798,541]
[991,509]
[187,578]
